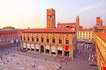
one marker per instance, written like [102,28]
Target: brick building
[99,22]
[100,42]
[85,35]
[51,18]
[8,37]
[51,40]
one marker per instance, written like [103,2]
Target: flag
[66,48]
[104,68]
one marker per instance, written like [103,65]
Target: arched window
[60,41]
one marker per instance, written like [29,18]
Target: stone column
[50,51]
[71,54]
[63,51]
[21,44]
[56,50]
[44,49]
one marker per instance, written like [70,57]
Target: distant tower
[99,21]
[77,22]
[50,18]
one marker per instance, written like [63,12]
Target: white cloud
[89,8]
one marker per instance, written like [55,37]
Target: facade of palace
[60,40]
[51,40]
[100,42]
[85,35]
[100,29]
[99,37]
[8,36]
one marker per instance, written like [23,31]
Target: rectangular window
[42,39]
[67,41]
[60,41]
[37,39]
[32,39]
[21,37]
[53,40]
[24,38]
[28,38]
[47,40]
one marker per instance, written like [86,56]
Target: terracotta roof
[86,30]
[8,27]
[47,30]
[101,35]
[7,30]
[66,23]
[102,27]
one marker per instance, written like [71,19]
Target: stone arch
[37,46]
[59,51]
[32,47]
[53,50]
[47,49]
[42,48]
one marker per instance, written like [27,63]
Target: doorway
[59,52]
[66,53]
[53,53]
[42,49]
[37,50]
[47,51]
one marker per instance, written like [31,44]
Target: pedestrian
[45,59]
[66,62]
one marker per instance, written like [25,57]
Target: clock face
[50,16]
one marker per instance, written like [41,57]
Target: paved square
[20,62]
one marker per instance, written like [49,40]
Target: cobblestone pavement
[31,60]
[15,61]
[87,52]
[76,64]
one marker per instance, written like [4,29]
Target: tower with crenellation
[77,22]
[99,22]
[50,18]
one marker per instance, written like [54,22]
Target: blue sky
[32,13]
